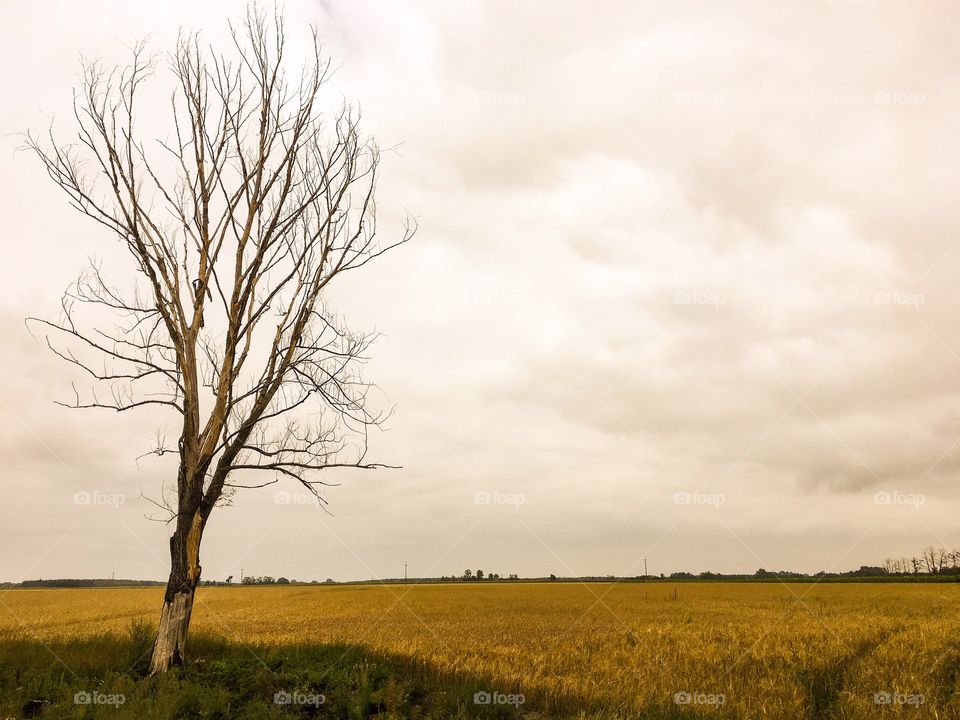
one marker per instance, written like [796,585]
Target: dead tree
[236,225]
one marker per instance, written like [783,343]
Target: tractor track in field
[824,684]
[947,670]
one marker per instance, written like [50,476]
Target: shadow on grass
[105,677]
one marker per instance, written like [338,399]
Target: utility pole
[644,567]
[404,572]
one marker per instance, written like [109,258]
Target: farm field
[696,650]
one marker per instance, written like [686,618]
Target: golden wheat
[765,650]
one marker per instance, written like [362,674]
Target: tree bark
[169,649]
[170,646]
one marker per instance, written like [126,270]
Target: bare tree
[236,225]
[942,555]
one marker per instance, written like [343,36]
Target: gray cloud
[665,247]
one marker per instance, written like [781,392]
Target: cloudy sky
[685,286]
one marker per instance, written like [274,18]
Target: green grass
[225,680]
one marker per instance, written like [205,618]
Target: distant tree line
[471,576]
[932,561]
[265,580]
[80,582]
[268,580]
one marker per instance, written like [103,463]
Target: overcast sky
[685,285]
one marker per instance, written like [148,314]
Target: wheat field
[734,650]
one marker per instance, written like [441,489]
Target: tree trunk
[170,646]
